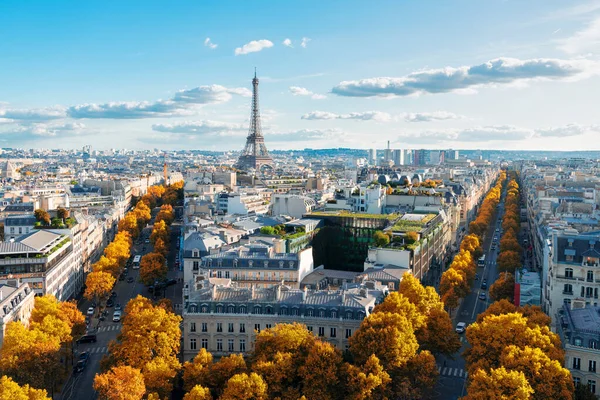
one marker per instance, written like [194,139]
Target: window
[242,345]
[309,312]
[321,313]
[593,344]
[12,229]
[257,328]
[568,272]
[582,291]
[219,327]
[256,310]
[204,309]
[595,293]
[294,311]
[220,309]
[205,343]
[195,253]
[333,314]
[204,327]
[20,230]
[283,311]
[219,274]
[192,344]
[242,309]
[321,331]
[230,327]
[568,288]
[196,266]
[269,310]
[332,332]
[576,363]
[592,386]
[226,274]
[349,315]
[219,344]
[267,326]
[193,327]
[576,381]
[230,345]
[310,328]
[231,309]
[242,328]
[348,333]
[592,366]
[590,276]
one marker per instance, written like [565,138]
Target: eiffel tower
[255,155]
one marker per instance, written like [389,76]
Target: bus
[481,261]
[136,261]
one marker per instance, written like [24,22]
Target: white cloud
[34,114]
[362,116]
[198,127]
[253,47]
[300,91]
[305,41]
[429,116]
[305,135]
[500,71]
[287,42]
[210,44]
[38,131]
[183,103]
[583,40]
[567,130]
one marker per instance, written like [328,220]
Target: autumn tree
[62,213]
[98,285]
[160,247]
[149,200]
[245,387]
[508,261]
[320,371]
[152,268]
[159,375]
[416,379]
[381,239]
[198,393]
[224,369]
[130,225]
[503,288]
[197,371]
[106,264]
[142,213]
[498,384]
[10,390]
[165,214]
[120,383]
[472,244]
[159,232]
[364,382]
[42,216]
[156,191]
[456,280]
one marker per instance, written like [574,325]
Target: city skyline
[491,76]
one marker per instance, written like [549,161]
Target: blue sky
[436,74]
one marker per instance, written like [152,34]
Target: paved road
[79,386]
[453,376]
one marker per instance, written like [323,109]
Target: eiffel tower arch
[255,154]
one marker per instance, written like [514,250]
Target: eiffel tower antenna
[255,154]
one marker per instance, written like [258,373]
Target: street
[79,386]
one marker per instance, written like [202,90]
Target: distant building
[398,157]
[242,204]
[17,225]
[528,288]
[225,319]
[372,157]
[16,304]
[293,205]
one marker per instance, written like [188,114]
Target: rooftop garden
[348,214]
[403,225]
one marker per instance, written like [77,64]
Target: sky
[462,74]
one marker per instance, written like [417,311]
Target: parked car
[90,311]
[130,279]
[80,366]
[484,284]
[482,296]
[461,327]
[117,316]
[113,295]
[147,241]
[170,282]
[118,307]
[89,338]
[110,303]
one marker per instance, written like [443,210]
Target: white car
[117,316]
[90,311]
[461,327]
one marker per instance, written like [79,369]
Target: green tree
[381,239]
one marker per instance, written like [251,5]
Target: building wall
[20,311]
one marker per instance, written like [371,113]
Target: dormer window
[266,264]
[195,253]
[281,263]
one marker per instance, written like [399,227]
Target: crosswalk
[108,328]
[455,372]
[96,350]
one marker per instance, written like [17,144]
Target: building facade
[16,304]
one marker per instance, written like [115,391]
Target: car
[147,241]
[121,277]
[110,303]
[117,316]
[497,229]
[484,284]
[90,311]
[125,271]
[113,295]
[130,279]
[482,296]
[84,356]
[461,327]
[170,282]
[144,248]
[118,307]
[80,366]
[89,338]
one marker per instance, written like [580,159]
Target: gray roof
[202,241]
[19,207]
[247,225]
[39,240]
[20,220]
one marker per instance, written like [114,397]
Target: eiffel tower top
[255,153]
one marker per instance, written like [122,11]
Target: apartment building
[16,304]
[224,319]
[17,225]
[242,203]
[293,205]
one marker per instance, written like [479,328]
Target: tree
[142,213]
[156,191]
[360,382]
[389,336]
[503,288]
[98,285]
[424,298]
[152,268]
[106,264]
[198,393]
[159,231]
[42,216]
[415,379]
[159,375]
[119,249]
[438,336]
[149,200]
[225,368]
[267,230]
[472,244]
[320,372]
[508,261]
[130,224]
[396,303]
[456,280]
[381,239]
[245,387]
[583,392]
[197,371]
[548,378]
[62,213]
[160,247]
[120,383]
[411,237]
[498,384]
[10,390]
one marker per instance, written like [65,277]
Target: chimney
[304,293]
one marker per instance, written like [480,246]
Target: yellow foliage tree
[225,368]
[152,268]
[503,288]
[159,231]
[98,285]
[130,225]
[159,375]
[106,264]
[142,213]
[156,191]
[396,303]
[498,384]
[160,247]
[197,372]
[10,390]
[320,372]
[198,393]
[362,382]
[245,387]
[120,383]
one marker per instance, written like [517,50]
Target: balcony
[569,278]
